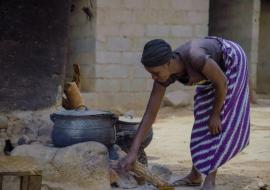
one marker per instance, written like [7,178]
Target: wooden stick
[143,171]
[76,75]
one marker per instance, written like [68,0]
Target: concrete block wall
[81,42]
[122,29]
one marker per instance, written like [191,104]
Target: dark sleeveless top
[194,55]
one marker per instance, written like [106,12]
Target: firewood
[113,176]
[74,99]
[140,170]
[76,75]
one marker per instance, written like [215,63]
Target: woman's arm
[149,117]
[212,71]
[150,114]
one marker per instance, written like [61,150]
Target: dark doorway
[232,20]
[263,67]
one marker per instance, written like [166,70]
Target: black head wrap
[156,52]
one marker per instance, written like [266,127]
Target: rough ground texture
[170,147]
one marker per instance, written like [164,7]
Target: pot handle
[53,117]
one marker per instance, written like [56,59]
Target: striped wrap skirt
[209,152]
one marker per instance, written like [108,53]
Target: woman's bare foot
[194,178]
[209,181]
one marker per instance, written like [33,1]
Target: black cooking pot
[75,126]
[126,128]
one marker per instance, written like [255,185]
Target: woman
[221,105]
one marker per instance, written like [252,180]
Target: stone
[126,181]
[79,166]
[25,127]
[161,171]
[121,180]
[3,122]
[24,140]
[262,185]
[177,99]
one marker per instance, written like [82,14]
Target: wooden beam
[35,182]
[1,182]
[24,183]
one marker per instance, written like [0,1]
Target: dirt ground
[170,147]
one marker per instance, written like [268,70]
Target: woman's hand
[213,72]
[215,124]
[126,163]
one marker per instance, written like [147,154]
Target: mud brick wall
[33,53]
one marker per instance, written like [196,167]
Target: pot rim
[129,120]
[81,114]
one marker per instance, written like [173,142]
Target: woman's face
[159,73]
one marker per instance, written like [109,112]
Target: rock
[36,125]
[23,140]
[177,99]
[3,122]
[262,185]
[79,166]
[161,171]
[126,181]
